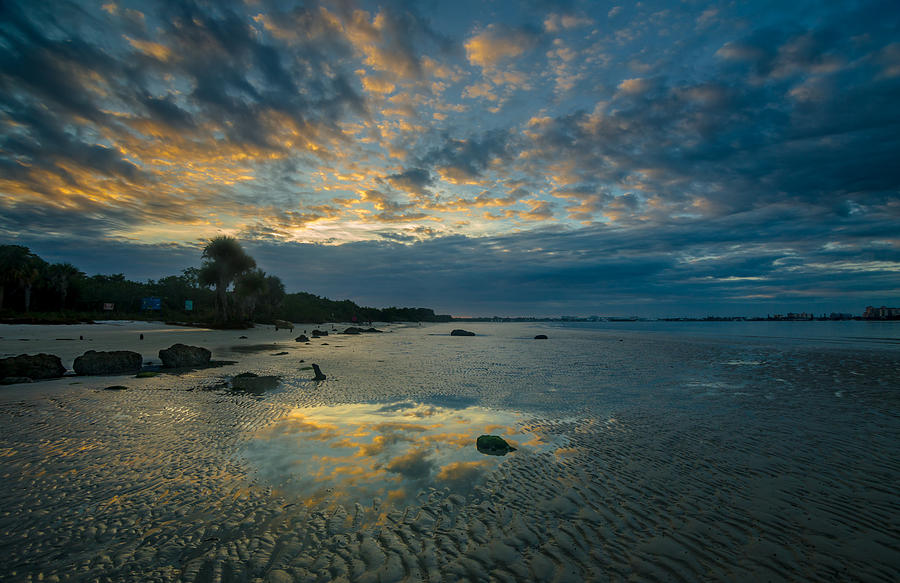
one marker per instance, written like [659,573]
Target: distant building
[882,313]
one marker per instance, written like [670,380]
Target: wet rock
[301,338]
[541,337]
[320,376]
[15,380]
[459,332]
[373,331]
[93,362]
[493,445]
[317,333]
[32,366]
[353,330]
[284,324]
[278,576]
[115,388]
[182,355]
[254,383]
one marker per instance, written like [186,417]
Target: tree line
[228,289]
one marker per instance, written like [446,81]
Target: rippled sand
[641,456]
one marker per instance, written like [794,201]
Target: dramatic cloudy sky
[538,158]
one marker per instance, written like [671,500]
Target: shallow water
[668,452]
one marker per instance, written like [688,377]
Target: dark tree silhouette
[19,267]
[60,277]
[223,260]
[249,288]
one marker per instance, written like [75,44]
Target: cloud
[704,157]
[466,159]
[414,180]
[497,44]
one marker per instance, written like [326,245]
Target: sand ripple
[681,466]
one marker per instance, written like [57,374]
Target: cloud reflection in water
[358,452]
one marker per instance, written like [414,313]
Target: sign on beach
[151,304]
[109,306]
[188,305]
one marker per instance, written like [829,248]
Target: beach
[655,453]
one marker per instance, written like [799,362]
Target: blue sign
[151,304]
[188,305]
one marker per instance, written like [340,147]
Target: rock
[317,333]
[493,445]
[373,330]
[301,338]
[36,366]
[253,383]
[182,355]
[279,354]
[278,576]
[462,333]
[242,337]
[284,324]
[353,330]
[15,380]
[115,388]
[320,376]
[93,362]
[541,337]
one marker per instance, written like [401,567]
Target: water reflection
[360,452]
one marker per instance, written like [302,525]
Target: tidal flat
[655,453]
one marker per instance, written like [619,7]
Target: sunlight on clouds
[491,47]
[151,49]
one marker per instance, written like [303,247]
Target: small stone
[183,356]
[493,445]
[254,383]
[93,362]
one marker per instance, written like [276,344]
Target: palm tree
[60,276]
[13,259]
[21,267]
[250,287]
[224,260]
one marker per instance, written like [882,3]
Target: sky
[479,158]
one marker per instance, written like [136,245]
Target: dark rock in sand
[317,333]
[279,354]
[242,337]
[284,324]
[462,333]
[320,376]
[353,330]
[373,330]
[541,337]
[116,388]
[15,380]
[301,338]
[32,366]
[112,362]
[183,356]
[493,445]
[254,383]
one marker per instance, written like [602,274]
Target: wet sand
[647,457]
